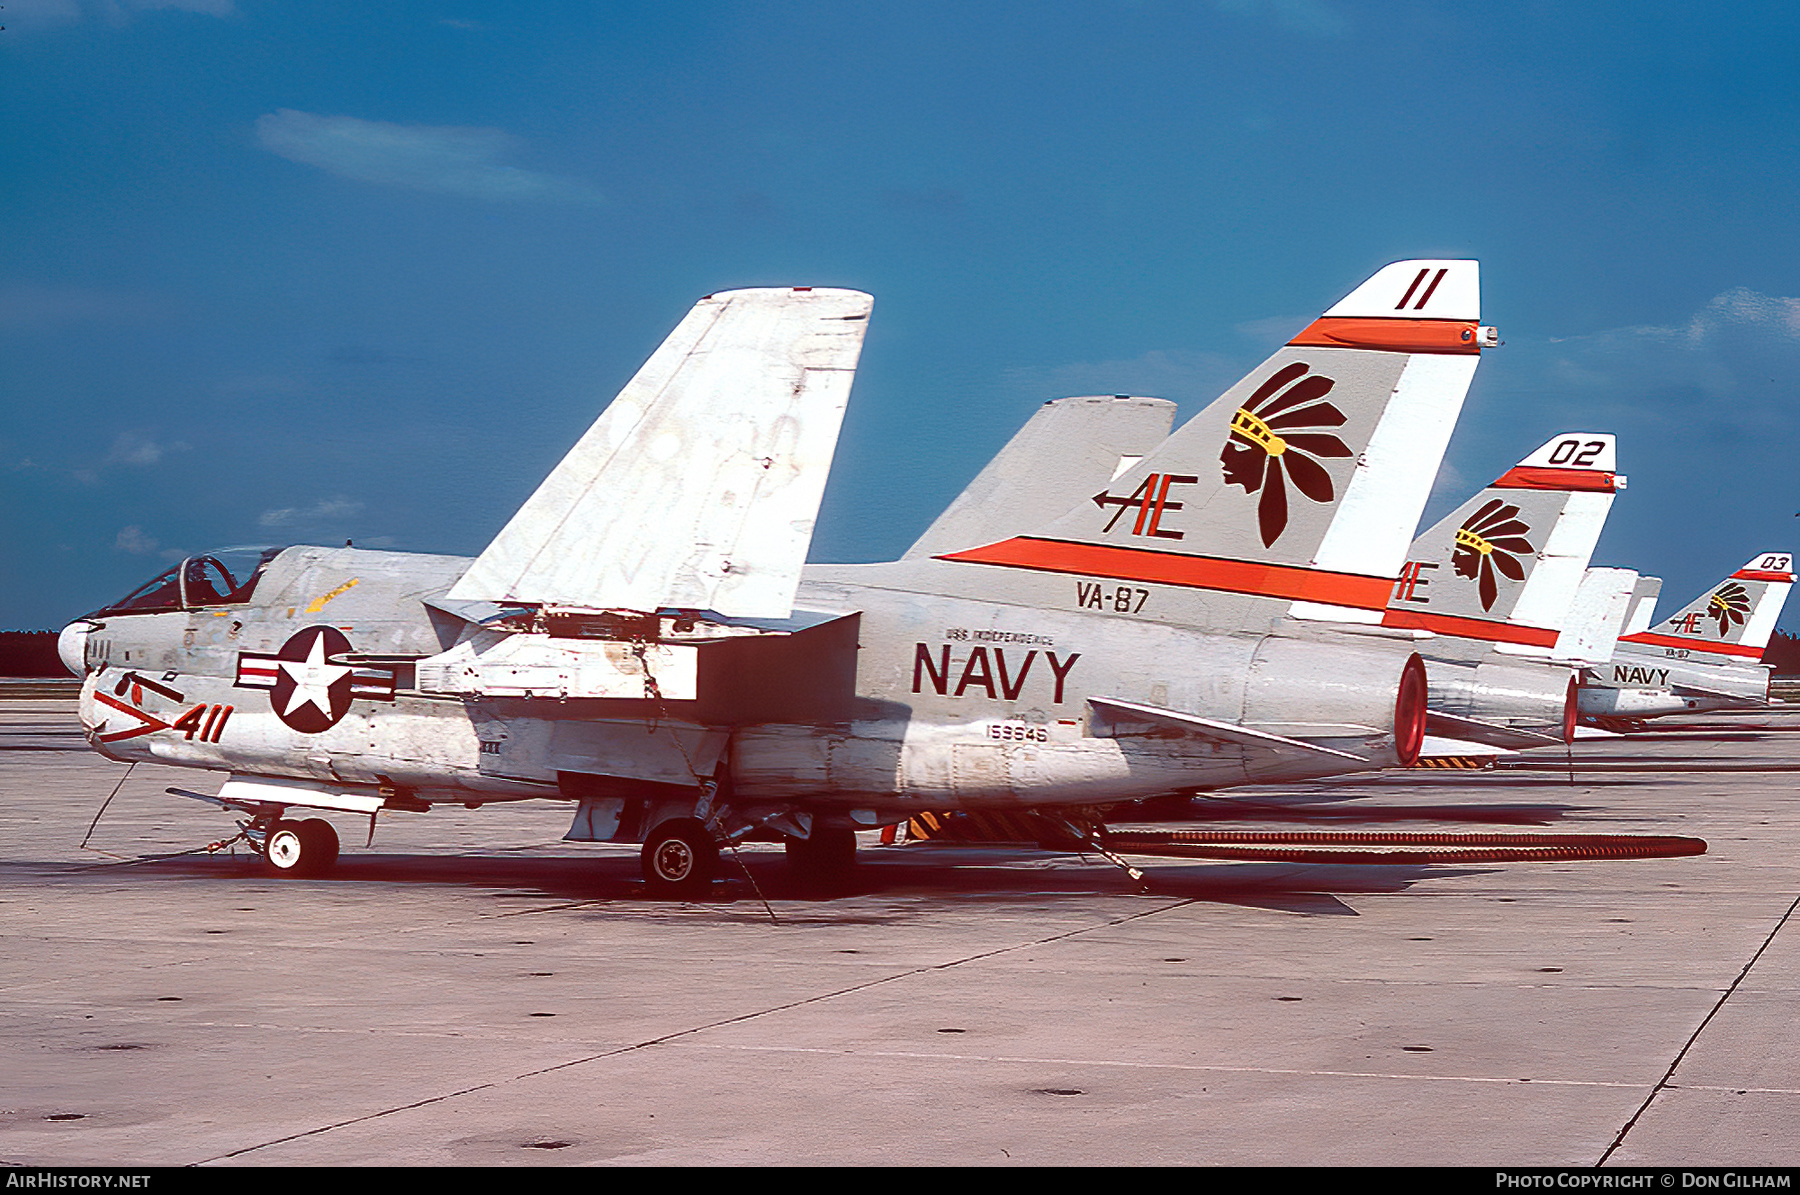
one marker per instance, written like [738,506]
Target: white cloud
[133,540]
[1315,18]
[1742,345]
[29,306]
[215,8]
[1273,332]
[136,448]
[38,14]
[454,161]
[323,510]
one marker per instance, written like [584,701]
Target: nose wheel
[302,848]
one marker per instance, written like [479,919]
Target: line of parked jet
[1110,611]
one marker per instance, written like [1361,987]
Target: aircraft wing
[1228,732]
[697,488]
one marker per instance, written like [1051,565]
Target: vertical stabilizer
[1506,565]
[1643,605]
[1735,619]
[1597,616]
[1301,486]
[1069,446]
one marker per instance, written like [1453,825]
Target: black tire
[292,850]
[319,835]
[680,859]
[828,855]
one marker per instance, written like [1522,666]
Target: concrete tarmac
[472,990]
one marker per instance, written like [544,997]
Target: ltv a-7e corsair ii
[643,640]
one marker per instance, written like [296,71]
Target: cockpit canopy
[223,578]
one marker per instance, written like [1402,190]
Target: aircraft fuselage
[894,699]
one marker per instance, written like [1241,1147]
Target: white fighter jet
[1706,656]
[642,642]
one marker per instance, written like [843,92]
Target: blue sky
[300,273]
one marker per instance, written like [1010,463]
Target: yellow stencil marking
[318,603]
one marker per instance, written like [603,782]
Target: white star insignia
[313,679]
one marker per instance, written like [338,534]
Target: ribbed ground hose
[1400,846]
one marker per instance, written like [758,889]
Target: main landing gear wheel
[828,855]
[305,848]
[680,858]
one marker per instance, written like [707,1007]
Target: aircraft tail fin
[1735,619]
[1069,446]
[1643,605]
[1597,616]
[1506,565]
[698,486]
[1300,487]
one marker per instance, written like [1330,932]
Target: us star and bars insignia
[308,690]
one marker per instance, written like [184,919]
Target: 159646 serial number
[1018,732]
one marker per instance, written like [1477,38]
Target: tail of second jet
[1299,489]
[1505,566]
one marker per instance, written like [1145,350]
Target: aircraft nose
[71,646]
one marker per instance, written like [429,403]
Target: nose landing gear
[302,848]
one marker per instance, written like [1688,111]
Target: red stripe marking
[1725,649]
[151,723]
[1539,477]
[1401,305]
[1469,628]
[1431,290]
[1193,572]
[1391,335]
[1753,574]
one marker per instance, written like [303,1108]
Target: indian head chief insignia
[308,688]
[1274,438]
[1728,606]
[1492,540]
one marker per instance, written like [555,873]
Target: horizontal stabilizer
[1437,748]
[1474,730]
[1738,700]
[1208,728]
[697,488]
